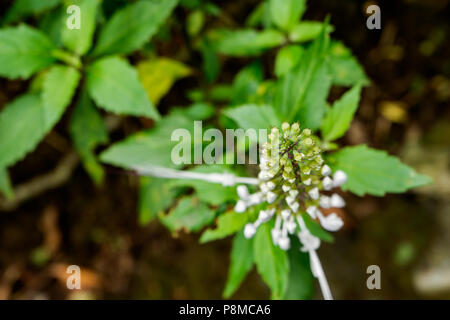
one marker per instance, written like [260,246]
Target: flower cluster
[293,179]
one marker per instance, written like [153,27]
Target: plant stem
[68,58]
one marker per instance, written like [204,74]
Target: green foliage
[271,262]
[316,229]
[23,52]
[253,116]
[132,26]
[345,68]
[114,85]
[337,119]
[374,171]
[301,280]
[286,13]
[227,224]
[24,8]
[241,263]
[5,184]
[155,196]
[190,214]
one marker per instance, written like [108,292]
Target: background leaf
[301,280]
[24,51]
[307,31]
[253,116]
[272,262]
[227,224]
[340,115]
[190,214]
[132,26]
[114,85]
[286,13]
[88,130]
[345,67]
[24,8]
[5,184]
[374,171]
[79,41]
[155,196]
[158,76]
[287,58]
[241,263]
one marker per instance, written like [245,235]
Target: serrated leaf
[114,85]
[24,8]
[88,130]
[240,265]
[23,123]
[158,76]
[5,184]
[132,26]
[338,118]
[287,58]
[316,229]
[252,116]
[307,31]
[286,13]
[245,42]
[301,93]
[24,51]
[211,193]
[153,146]
[374,171]
[190,214]
[59,85]
[271,262]
[155,195]
[301,280]
[345,68]
[227,224]
[79,41]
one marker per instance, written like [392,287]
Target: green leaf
[24,8]
[114,85]
[301,280]
[246,84]
[24,51]
[307,31]
[340,115]
[211,64]
[301,93]
[246,42]
[227,224]
[190,214]
[345,67]
[88,130]
[211,193]
[271,262]
[287,58]
[5,183]
[132,26]
[155,196]
[194,22]
[241,263]
[80,40]
[153,146]
[253,116]
[158,75]
[22,122]
[316,229]
[53,24]
[286,13]
[374,171]
[57,90]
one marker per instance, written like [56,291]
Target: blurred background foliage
[403,109]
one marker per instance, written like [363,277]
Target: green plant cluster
[87,70]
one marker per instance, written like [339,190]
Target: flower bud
[337,201]
[249,230]
[339,178]
[240,206]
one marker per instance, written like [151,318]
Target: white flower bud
[314,193]
[242,192]
[307,182]
[339,178]
[284,243]
[249,230]
[263,187]
[327,183]
[290,199]
[291,180]
[312,211]
[337,201]
[276,234]
[285,188]
[332,222]
[326,170]
[270,185]
[240,206]
[264,216]
[294,206]
[271,197]
[291,226]
[285,126]
[285,214]
[324,202]
[293,193]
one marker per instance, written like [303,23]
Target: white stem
[227,179]
[317,270]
